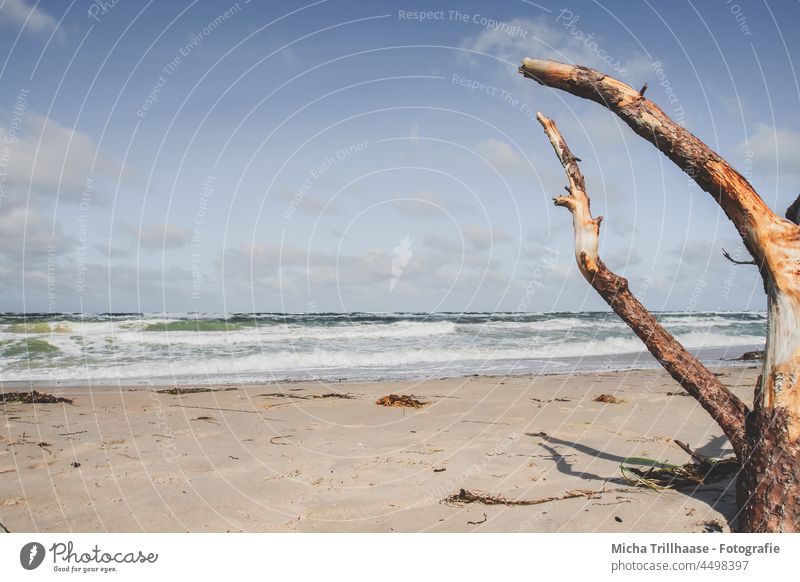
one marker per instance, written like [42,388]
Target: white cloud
[439,270]
[32,241]
[54,160]
[26,231]
[483,238]
[772,151]
[158,236]
[34,19]
[438,243]
[562,39]
[44,161]
[501,155]
[427,204]
[307,203]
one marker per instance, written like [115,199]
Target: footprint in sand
[108,444]
[164,479]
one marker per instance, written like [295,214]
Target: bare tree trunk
[769,484]
[766,440]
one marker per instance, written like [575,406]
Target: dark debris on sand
[465,496]
[175,391]
[400,400]
[32,397]
[703,470]
[341,395]
[608,399]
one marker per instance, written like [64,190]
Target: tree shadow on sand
[720,496]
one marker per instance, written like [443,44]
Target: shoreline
[282,457]
[649,364]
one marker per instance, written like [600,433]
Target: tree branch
[756,222]
[727,255]
[793,212]
[726,409]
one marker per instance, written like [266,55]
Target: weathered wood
[768,491]
[728,256]
[712,173]
[769,448]
[724,407]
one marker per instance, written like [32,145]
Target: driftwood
[766,439]
[686,369]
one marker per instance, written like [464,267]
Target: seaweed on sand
[400,400]
[608,399]
[32,397]
[658,475]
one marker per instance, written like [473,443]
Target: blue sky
[342,156]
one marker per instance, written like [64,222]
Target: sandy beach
[325,457]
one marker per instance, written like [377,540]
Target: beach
[324,457]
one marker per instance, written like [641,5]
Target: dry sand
[272,458]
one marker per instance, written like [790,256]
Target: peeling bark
[712,173]
[768,442]
[768,492]
[696,379]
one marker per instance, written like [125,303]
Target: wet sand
[282,457]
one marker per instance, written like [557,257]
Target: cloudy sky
[343,156]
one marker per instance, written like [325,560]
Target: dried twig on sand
[32,397]
[176,391]
[400,400]
[334,395]
[295,398]
[464,496]
[341,395]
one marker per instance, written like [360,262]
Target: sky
[226,157]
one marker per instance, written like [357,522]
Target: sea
[147,349]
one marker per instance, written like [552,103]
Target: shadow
[565,467]
[718,446]
[586,450]
[720,496]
